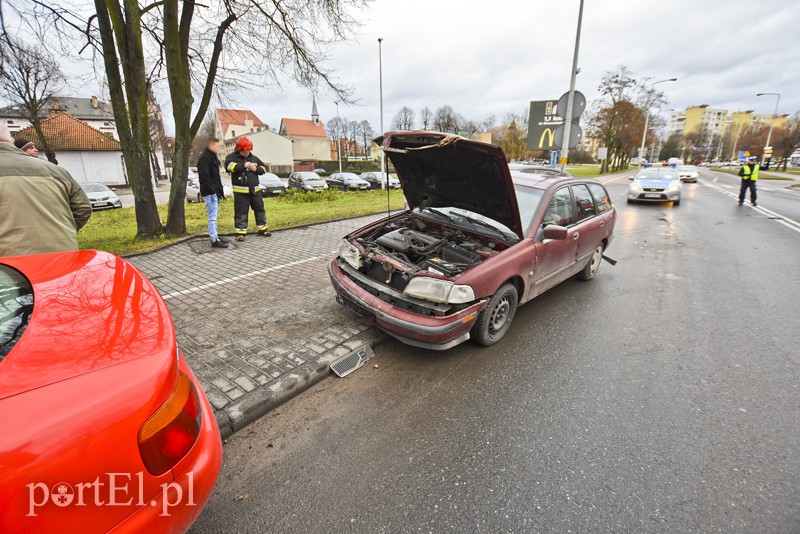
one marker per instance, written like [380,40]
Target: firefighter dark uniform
[749,174]
[246,188]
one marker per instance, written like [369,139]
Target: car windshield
[95,188]
[528,199]
[656,175]
[269,177]
[350,177]
[16,307]
[309,177]
[471,219]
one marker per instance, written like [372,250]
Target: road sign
[575,135]
[542,124]
[767,150]
[602,152]
[578,105]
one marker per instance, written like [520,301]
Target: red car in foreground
[104,426]
[477,240]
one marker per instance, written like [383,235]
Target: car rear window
[16,307]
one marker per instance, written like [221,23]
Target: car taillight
[171,431]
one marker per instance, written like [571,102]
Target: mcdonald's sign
[542,124]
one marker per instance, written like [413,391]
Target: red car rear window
[16,307]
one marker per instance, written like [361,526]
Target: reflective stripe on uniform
[237,189]
[231,166]
[262,228]
[242,232]
[265,169]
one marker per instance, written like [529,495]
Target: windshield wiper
[440,213]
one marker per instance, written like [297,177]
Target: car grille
[653,189]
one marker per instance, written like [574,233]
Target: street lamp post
[772,122]
[571,98]
[380,82]
[647,116]
[338,138]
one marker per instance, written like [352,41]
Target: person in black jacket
[245,168]
[211,189]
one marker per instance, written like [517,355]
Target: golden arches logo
[546,132]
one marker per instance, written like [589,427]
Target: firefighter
[245,168]
[749,174]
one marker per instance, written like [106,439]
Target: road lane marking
[245,275]
[774,215]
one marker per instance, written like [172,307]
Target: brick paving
[259,318]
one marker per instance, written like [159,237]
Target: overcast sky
[490,58]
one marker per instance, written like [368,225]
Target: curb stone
[261,401]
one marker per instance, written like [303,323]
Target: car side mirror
[554,231]
[113,188]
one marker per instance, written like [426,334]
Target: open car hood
[439,170]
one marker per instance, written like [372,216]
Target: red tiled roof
[302,128]
[237,117]
[65,132]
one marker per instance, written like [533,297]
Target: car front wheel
[591,268]
[495,319]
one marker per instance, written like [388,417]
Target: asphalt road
[662,396]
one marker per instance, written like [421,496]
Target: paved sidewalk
[258,322]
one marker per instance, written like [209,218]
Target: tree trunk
[37,127]
[123,33]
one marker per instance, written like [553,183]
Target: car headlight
[435,290]
[349,253]
[674,186]
[635,186]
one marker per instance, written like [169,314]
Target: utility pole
[571,99]
[771,122]
[647,115]
[736,141]
[338,138]
[380,82]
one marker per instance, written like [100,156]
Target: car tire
[495,319]
[629,201]
[676,202]
[199,197]
[590,271]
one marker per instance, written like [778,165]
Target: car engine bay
[417,246]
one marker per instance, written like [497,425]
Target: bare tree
[352,134]
[445,120]
[403,119]
[195,47]
[426,117]
[30,78]
[367,133]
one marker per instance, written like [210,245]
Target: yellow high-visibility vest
[750,174]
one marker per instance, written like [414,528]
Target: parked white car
[193,189]
[101,196]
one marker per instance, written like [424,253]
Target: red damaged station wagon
[477,240]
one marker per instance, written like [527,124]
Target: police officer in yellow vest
[749,174]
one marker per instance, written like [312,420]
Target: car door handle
[576,235]
[602,223]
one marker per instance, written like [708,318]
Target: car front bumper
[435,333]
[654,196]
[106,204]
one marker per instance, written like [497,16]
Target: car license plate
[653,195]
[349,304]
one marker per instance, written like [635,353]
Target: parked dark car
[476,241]
[307,181]
[380,180]
[271,184]
[347,181]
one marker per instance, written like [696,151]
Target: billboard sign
[542,124]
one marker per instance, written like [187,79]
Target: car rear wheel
[199,197]
[591,268]
[495,319]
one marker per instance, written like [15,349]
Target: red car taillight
[168,435]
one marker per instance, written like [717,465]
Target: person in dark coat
[211,189]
